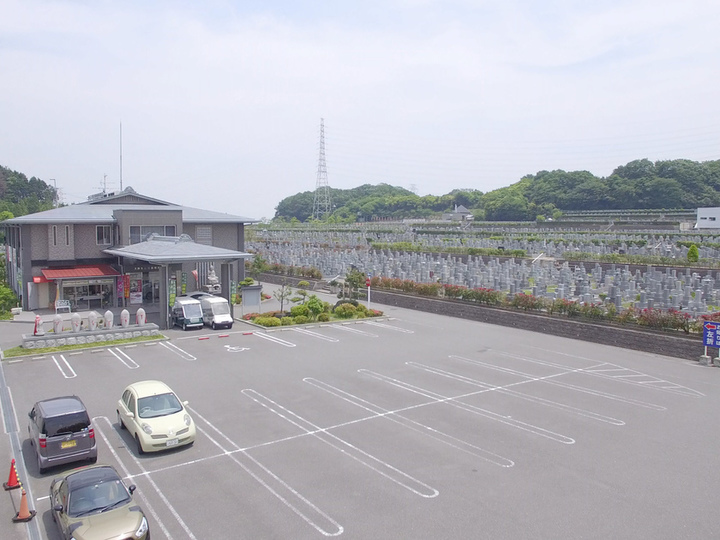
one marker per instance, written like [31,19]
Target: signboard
[183,283]
[126,285]
[233,292]
[711,334]
[172,291]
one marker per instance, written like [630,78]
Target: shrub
[627,316]
[267,321]
[250,316]
[346,301]
[375,313]
[300,311]
[301,319]
[286,321]
[323,317]
[345,311]
[592,311]
[527,302]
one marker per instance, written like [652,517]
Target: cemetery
[560,272]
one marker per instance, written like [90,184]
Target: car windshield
[192,311]
[159,405]
[96,498]
[221,308]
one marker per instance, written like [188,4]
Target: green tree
[693,254]
[315,306]
[283,294]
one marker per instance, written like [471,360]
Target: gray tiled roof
[172,249]
[101,211]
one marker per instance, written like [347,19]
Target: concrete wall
[61,242]
[153,216]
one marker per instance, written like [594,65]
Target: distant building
[460,213]
[708,218]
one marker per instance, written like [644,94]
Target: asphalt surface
[415,426]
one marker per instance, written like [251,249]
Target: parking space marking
[177,350]
[390,327]
[576,388]
[514,393]
[418,427]
[130,364]
[453,401]
[619,373]
[128,475]
[231,348]
[353,330]
[368,460]
[315,334]
[67,364]
[274,339]
[327,527]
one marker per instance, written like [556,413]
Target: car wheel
[184,326]
[119,419]
[93,459]
[139,445]
[213,326]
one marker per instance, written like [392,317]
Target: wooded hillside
[641,184]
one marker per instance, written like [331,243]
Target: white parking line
[315,334]
[177,350]
[569,386]
[130,364]
[368,460]
[390,327]
[533,399]
[413,425]
[139,492]
[308,507]
[537,430]
[69,367]
[353,330]
[274,339]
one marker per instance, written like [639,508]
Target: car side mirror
[132,489]
[185,402]
[130,415]
[58,507]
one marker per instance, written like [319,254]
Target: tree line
[640,184]
[20,196]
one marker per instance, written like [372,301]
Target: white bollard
[75,321]
[124,318]
[58,324]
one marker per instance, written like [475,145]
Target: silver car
[60,431]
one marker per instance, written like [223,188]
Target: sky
[220,102]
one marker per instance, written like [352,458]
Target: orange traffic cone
[12,482]
[24,514]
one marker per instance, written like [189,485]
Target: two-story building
[121,249]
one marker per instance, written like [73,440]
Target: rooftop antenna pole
[121,187]
[321,202]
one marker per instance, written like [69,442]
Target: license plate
[68,444]
[171,442]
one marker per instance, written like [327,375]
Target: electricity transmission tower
[321,202]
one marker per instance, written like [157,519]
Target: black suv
[61,432]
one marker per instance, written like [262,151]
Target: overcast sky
[220,101]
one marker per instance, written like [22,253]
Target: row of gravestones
[667,289]
[597,245]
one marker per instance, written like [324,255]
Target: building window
[139,233]
[67,235]
[712,219]
[203,235]
[54,235]
[104,235]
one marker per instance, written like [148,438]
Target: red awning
[74,272]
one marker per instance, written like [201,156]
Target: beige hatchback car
[155,417]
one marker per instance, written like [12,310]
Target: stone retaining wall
[50,339]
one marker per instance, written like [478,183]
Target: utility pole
[321,202]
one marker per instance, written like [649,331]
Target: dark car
[93,503]
[60,431]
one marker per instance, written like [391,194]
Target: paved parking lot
[415,426]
